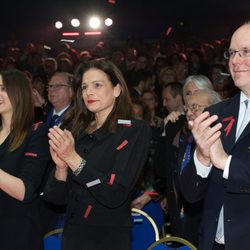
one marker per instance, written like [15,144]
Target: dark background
[206,20]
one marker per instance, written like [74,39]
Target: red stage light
[92,33]
[70,34]
[111,1]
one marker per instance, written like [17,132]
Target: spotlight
[75,22]
[58,25]
[108,21]
[94,22]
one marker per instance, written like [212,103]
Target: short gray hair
[200,81]
[214,97]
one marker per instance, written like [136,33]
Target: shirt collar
[243,97]
[61,112]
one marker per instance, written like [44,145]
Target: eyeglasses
[244,53]
[57,86]
[194,108]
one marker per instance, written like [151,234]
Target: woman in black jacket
[98,162]
[24,152]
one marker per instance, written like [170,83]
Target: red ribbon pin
[229,125]
[30,154]
[112,179]
[86,214]
[123,144]
[36,125]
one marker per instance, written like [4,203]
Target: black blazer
[99,197]
[233,193]
[20,221]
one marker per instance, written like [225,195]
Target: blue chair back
[52,240]
[144,230]
[154,210]
[164,247]
[52,243]
[172,243]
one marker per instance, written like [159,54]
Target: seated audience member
[194,83]
[150,99]
[49,67]
[39,84]
[60,94]
[172,155]
[142,81]
[139,110]
[172,97]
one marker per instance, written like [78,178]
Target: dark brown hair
[19,91]
[81,117]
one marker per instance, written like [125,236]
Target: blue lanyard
[187,154]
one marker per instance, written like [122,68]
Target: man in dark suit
[60,95]
[142,81]
[220,168]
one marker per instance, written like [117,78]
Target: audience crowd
[169,84]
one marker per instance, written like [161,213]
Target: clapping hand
[63,144]
[205,135]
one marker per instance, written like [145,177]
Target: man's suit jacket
[233,193]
